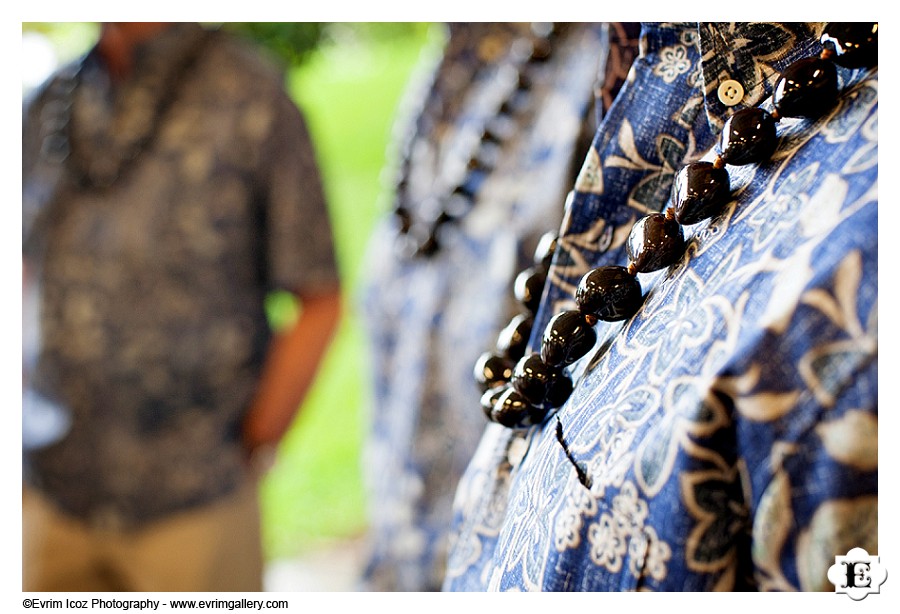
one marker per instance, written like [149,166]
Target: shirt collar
[158,57]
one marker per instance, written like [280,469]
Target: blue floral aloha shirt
[727,434]
[150,280]
[428,319]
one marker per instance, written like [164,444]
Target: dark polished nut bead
[546,247]
[536,415]
[465,191]
[532,378]
[512,410]
[524,82]
[488,135]
[528,287]
[807,88]
[655,242]
[700,191]
[610,292]
[540,384]
[476,163]
[854,44]
[560,390]
[403,218]
[430,246]
[513,339]
[748,137]
[541,49]
[489,398]
[442,218]
[492,369]
[507,108]
[568,337]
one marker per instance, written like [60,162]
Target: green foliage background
[349,89]
[348,79]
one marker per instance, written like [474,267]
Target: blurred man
[169,184]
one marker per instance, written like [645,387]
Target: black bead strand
[807,88]
[655,242]
[492,369]
[532,378]
[748,137]
[700,191]
[852,45]
[512,410]
[569,335]
[610,293]
[528,287]
[513,339]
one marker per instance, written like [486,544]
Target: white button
[730,92]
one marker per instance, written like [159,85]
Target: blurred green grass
[349,93]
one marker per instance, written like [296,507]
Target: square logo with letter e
[857,574]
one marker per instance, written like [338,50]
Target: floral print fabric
[725,437]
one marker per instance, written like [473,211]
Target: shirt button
[730,92]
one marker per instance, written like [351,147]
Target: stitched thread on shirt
[579,471]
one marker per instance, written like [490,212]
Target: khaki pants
[211,548]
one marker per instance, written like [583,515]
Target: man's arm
[290,368]
[300,256]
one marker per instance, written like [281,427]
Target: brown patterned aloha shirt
[150,274]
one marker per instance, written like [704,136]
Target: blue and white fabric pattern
[727,434]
